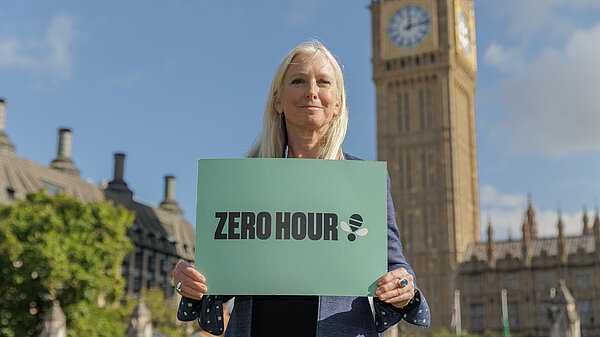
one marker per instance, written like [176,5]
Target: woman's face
[309,94]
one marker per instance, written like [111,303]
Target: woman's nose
[311,92]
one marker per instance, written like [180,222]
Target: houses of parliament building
[424,69]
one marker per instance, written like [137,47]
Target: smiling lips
[311,107]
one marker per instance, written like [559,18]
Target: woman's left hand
[390,290]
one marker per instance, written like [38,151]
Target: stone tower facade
[424,68]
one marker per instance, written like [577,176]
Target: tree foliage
[59,248]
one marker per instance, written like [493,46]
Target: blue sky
[168,82]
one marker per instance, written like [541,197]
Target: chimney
[118,185]
[64,143]
[119,167]
[169,202]
[63,161]
[6,146]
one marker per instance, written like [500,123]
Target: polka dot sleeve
[208,311]
[415,312]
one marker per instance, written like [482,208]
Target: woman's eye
[297,81]
[324,81]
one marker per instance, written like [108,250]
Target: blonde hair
[272,140]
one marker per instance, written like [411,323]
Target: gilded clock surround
[466,8]
[388,9]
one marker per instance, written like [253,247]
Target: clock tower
[424,67]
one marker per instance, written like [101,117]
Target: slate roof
[502,249]
[23,176]
[158,228]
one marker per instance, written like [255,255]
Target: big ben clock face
[409,26]
[464,34]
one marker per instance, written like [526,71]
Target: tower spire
[562,241]
[491,246]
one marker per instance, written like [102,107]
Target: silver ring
[179,287]
[402,282]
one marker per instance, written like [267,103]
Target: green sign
[291,226]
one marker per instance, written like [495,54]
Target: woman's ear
[278,106]
[337,108]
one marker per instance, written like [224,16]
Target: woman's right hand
[192,282]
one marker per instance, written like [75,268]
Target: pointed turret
[55,322]
[525,251]
[562,241]
[529,224]
[140,323]
[587,229]
[6,147]
[597,226]
[491,246]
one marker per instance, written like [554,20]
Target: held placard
[291,226]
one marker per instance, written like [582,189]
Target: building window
[511,282]
[513,315]
[401,171]
[429,105]
[423,171]
[411,232]
[545,281]
[10,192]
[545,313]
[408,173]
[477,317]
[406,113]
[431,169]
[426,235]
[586,312]
[137,275]
[400,113]
[583,279]
[422,109]
[475,284]
[51,188]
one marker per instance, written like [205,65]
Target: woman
[306,117]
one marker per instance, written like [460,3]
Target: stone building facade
[161,235]
[529,269]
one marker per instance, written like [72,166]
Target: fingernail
[379,283]
[377,292]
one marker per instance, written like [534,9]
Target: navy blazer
[337,315]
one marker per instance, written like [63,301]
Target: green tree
[59,248]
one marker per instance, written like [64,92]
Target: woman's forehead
[304,63]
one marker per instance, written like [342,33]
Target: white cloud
[47,55]
[553,105]
[59,36]
[547,17]
[503,58]
[12,54]
[492,198]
